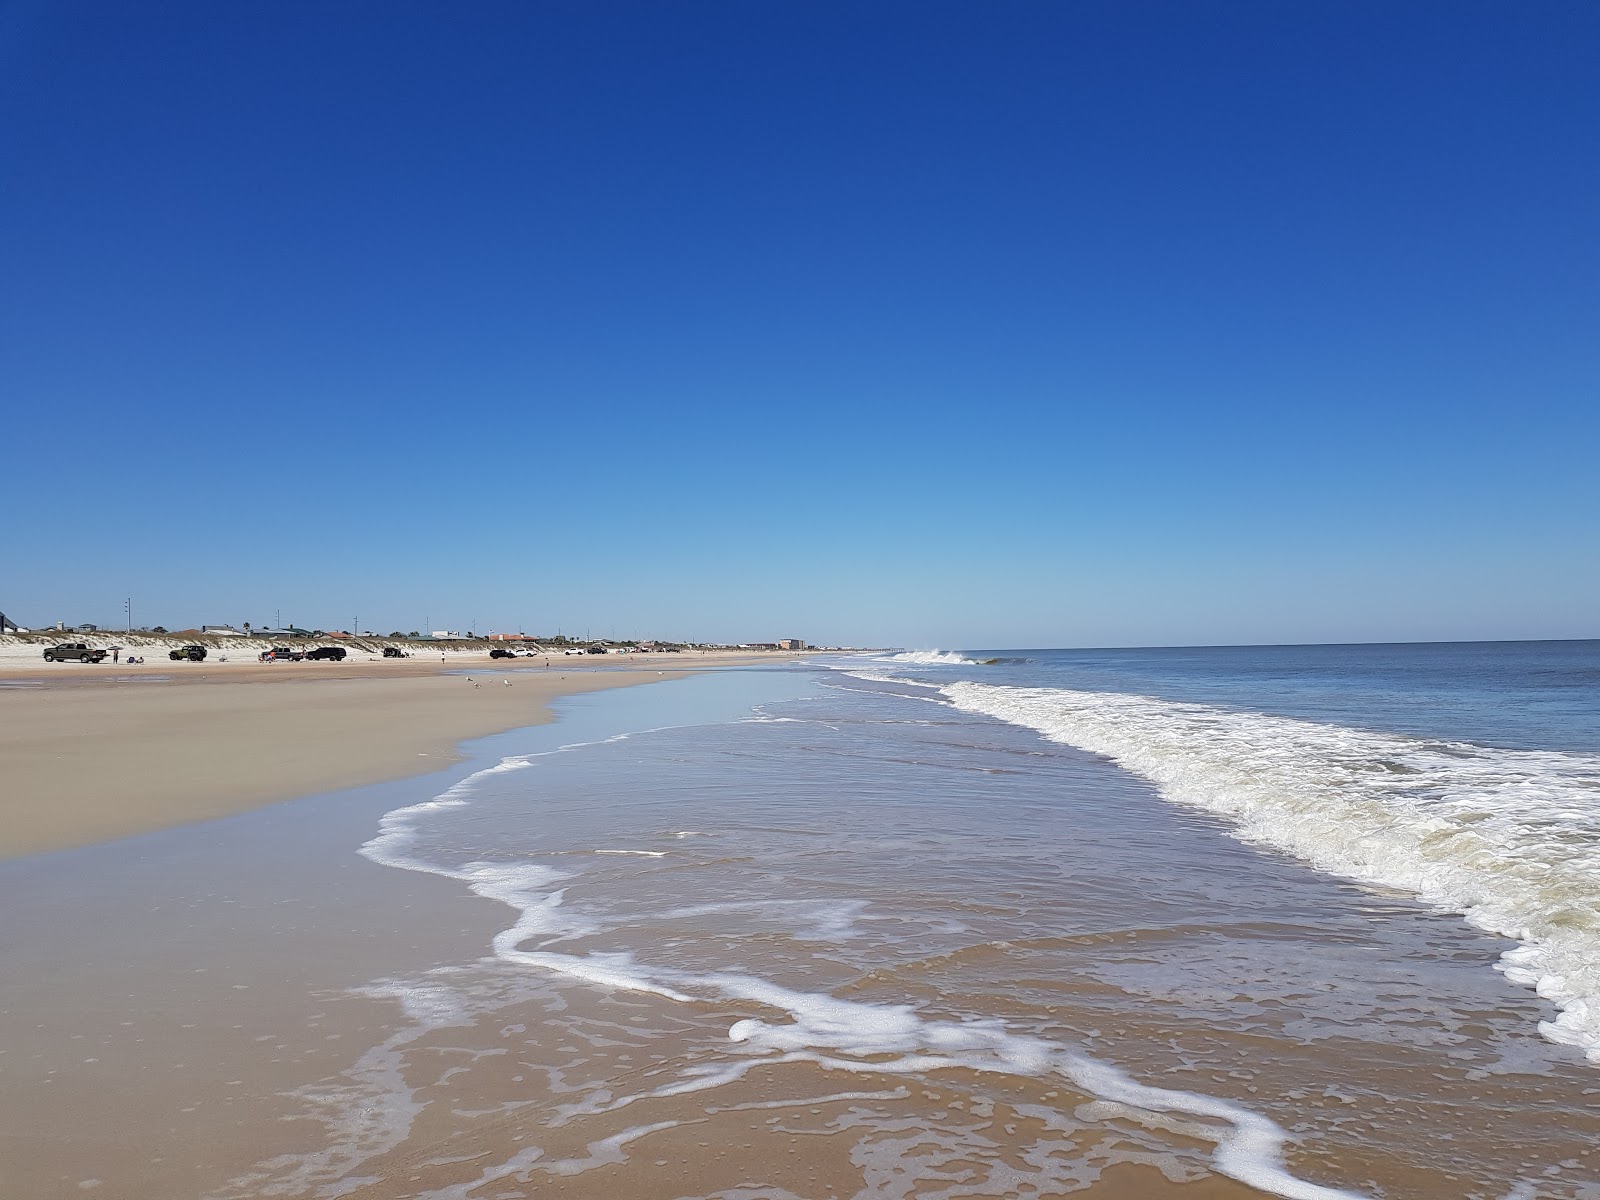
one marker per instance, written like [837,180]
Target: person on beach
[116,654]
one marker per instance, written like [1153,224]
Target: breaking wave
[1510,839]
[931,658]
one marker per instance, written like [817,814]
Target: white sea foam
[930,658]
[850,1035]
[820,1029]
[866,1038]
[1508,838]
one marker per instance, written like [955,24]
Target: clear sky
[981,324]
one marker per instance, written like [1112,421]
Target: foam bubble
[930,658]
[809,1027]
[1510,839]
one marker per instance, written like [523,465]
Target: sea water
[1308,922]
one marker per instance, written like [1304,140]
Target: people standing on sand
[116,655]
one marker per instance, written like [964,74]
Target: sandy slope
[92,753]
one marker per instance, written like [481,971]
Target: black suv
[333,653]
[188,653]
[393,652]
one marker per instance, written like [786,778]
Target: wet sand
[261,991]
[92,753]
[246,1007]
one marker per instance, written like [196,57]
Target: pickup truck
[74,652]
[281,654]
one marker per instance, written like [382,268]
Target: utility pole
[127,609]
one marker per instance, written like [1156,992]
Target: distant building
[221,631]
[758,645]
[446,635]
[792,644]
[509,637]
[88,629]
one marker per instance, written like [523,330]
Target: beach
[91,752]
[807,929]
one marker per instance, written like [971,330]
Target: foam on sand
[818,1028]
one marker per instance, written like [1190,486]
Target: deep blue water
[1524,695]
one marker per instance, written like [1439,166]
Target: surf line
[833,1033]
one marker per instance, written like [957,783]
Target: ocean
[1307,922]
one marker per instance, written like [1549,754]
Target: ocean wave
[931,658]
[1510,839]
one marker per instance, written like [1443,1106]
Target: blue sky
[916,324]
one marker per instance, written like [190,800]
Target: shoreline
[92,754]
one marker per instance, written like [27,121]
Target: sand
[92,753]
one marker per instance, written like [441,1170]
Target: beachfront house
[221,631]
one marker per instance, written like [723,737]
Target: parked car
[394,652]
[332,653]
[188,653]
[74,652]
[597,648]
[502,652]
[281,654]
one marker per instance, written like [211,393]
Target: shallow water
[906,928]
